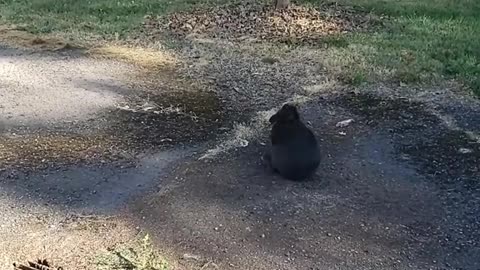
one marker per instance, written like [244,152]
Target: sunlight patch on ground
[143,57]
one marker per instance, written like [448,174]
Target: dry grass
[144,57]
[18,38]
[322,87]
[242,134]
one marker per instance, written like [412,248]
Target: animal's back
[295,154]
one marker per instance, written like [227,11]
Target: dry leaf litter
[261,22]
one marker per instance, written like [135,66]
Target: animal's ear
[294,113]
[290,112]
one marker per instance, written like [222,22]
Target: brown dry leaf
[254,20]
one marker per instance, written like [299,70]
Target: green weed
[142,257]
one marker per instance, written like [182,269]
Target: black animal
[294,152]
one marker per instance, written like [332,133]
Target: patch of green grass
[87,17]
[431,8]
[420,42]
[336,40]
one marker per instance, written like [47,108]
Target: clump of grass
[143,257]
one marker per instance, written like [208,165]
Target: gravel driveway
[91,155]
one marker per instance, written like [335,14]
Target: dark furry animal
[294,152]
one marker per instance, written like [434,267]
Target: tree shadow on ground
[372,204]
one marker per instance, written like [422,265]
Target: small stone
[344,123]
[465,151]
[187,256]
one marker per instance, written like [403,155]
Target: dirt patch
[41,151]
[17,37]
[258,21]
[142,124]
[448,156]
[152,107]
[168,119]
[377,109]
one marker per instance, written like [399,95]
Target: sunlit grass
[421,41]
